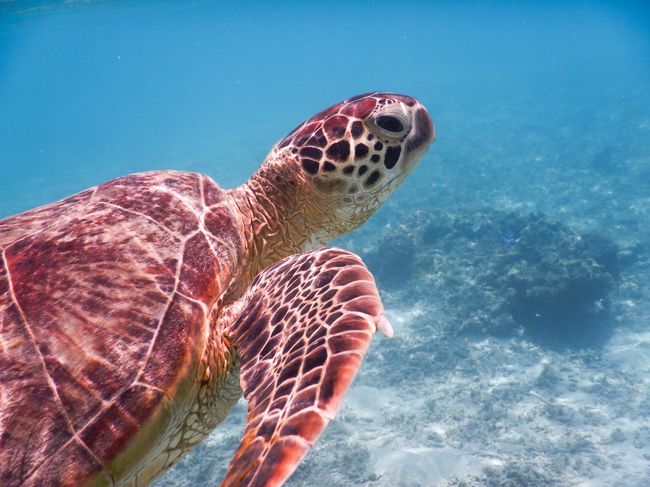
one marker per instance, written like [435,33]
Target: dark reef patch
[503,273]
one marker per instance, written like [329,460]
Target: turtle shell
[103,305]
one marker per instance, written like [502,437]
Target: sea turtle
[134,314]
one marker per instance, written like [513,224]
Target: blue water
[539,107]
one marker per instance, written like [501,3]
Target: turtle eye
[387,122]
[391,125]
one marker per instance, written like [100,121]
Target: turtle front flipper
[302,332]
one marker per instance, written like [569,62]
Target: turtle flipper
[301,335]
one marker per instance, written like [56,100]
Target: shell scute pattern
[157,197]
[181,324]
[212,193]
[20,373]
[74,463]
[91,382]
[199,276]
[15,228]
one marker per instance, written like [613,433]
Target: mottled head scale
[358,151]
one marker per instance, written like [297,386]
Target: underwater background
[514,263]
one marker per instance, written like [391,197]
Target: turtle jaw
[423,132]
[416,144]
[422,135]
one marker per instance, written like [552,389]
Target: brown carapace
[134,314]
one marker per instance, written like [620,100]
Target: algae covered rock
[556,281]
[501,272]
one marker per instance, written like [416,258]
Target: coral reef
[503,272]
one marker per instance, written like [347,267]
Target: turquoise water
[541,108]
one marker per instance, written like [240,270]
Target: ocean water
[514,263]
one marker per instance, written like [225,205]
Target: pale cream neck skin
[283,212]
[280,216]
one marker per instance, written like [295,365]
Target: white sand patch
[630,351]
[401,318]
[421,466]
[366,402]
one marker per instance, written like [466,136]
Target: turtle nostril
[392,124]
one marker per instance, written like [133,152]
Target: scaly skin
[160,265]
[287,208]
[275,220]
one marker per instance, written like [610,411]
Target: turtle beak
[423,133]
[419,139]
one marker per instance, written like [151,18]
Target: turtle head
[331,173]
[353,155]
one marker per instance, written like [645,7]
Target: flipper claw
[384,327]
